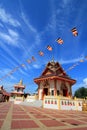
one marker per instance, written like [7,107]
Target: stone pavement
[19,117]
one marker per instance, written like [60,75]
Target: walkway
[19,117]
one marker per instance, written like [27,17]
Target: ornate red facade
[54,81]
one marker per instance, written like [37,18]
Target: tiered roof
[3,91]
[20,85]
[54,70]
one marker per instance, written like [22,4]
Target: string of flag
[41,53]
[74,65]
[59,41]
[29,61]
[17,68]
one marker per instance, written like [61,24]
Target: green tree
[81,92]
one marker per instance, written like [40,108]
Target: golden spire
[21,82]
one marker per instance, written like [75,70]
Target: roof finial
[52,58]
[21,82]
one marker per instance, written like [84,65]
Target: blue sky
[28,26]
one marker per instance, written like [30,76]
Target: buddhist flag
[70,68]
[81,60]
[29,61]
[59,40]
[76,64]
[49,48]
[74,31]
[86,57]
[33,58]
[11,72]
[23,65]
[41,53]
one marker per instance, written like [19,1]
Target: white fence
[51,103]
[18,100]
[62,103]
[31,98]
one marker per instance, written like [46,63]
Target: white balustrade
[62,103]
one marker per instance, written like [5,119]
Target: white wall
[61,103]
[51,102]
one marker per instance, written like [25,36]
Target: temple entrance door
[46,91]
[65,92]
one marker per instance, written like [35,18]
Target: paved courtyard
[19,117]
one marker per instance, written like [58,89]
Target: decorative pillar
[38,90]
[42,94]
[55,90]
[49,88]
[70,91]
[48,91]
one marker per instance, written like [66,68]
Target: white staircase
[37,103]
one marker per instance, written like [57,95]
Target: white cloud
[52,22]
[8,86]
[56,22]
[5,37]
[32,31]
[7,18]
[23,71]
[28,23]
[5,74]
[71,61]
[9,61]
[65,2]
[85,81]
[1,25]
[81,84]
[36,66]
[31,28]
[11,37]
[4,71]
[13,33]
[61,61]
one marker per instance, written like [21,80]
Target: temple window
[52,92]
[58,92]
[18,90]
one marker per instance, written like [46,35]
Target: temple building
[4,95]
[54,81]
[18,89]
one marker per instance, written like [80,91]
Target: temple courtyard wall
[53,102]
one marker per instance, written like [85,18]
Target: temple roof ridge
[54,70]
